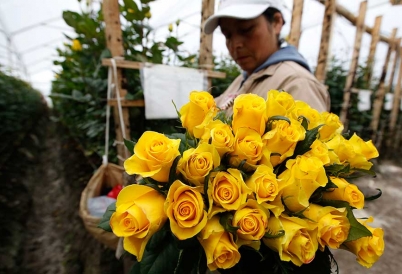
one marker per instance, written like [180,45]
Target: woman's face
[250,42]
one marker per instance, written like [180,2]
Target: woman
[252,29]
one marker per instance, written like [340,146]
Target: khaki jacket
[288,76]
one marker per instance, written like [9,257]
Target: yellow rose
[193,113]
[252,220]
[248,146]
[226,190]
[279,103]
[76,46]
[367,249]
[354,151]
[264,184]
[203,129]
[341,147]
[153,156]
[282,139]
[364,152]
[345,192]
[332,126]
[197,163]
[249,111]
[303,109]
[332,223]
[219,247]
[221,137]
[299,243]
[184,207]
[367,149]
[303,176]
[319,150]
[139,214]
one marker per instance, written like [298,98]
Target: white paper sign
[163,84]
[389,98]
[364,100]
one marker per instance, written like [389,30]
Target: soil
[41,231]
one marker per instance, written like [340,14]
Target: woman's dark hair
[269,15]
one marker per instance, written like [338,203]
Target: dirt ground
[44,234]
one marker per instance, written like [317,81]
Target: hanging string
[112,84]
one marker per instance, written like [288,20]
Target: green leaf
[177,111]
[161,253]
[373,197]
[189,258]
[130,4]
[105,222]
[135,269]
[130,145]
[357,230]
[305,145]
[359,172]
[304,122]
[173,43]
[337,170]
[226,221]
[185,142]
[275,118]
[173,170]
[272,235]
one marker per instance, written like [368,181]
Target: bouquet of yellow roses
[263,190]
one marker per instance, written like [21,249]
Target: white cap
[240,9]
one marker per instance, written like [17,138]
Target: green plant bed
[21,106]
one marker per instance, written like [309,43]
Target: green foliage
[105,222]
[20,108]
[359,121]
[79,90]
[227,65]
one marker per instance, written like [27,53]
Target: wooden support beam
[205,60]
[396,103]
[373,46]
[395,62]
[326,33]
[138,65]
[295,26]
[379,96]
[354,63]
[353,19]
[127,103]
[114,42]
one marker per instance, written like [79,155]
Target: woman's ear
[278,22]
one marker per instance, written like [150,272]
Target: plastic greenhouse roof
[30,31]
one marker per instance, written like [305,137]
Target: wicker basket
[107,176]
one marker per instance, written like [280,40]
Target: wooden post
[295,26]
[395,48]
[205,61]
[114,42]
[379,96]
[326,33]
[353,19]
[396,103]
[375,37]
[354,63]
